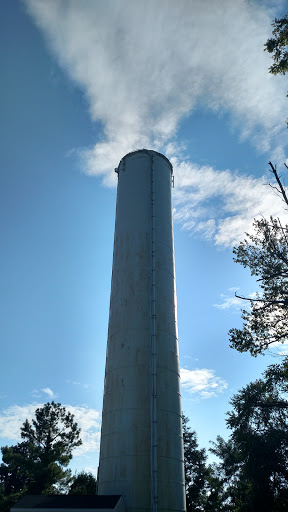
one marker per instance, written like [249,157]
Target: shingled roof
[69,502]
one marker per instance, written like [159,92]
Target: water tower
[141,451]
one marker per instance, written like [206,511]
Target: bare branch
[274,171]
[275,188]
[262,300]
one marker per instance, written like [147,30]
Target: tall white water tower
[141,452]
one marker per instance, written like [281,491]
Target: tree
[204,490]
[83,483]
[13,475]
[196,472]
[278,46]
[266,254]
[228,471]
[254,460]
[265,251]
[37,464]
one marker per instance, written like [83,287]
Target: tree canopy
[254,461]
[278,46]
[196,472]
[53,433]
[37,464]
[265,253]
[83,483]
[204,490]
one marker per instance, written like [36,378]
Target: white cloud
[221,205]
[12,419]
[89,420]
[229,302]
[90,469]
[279,349]
[202,382]
[145,65]
[77,383]
[48,392]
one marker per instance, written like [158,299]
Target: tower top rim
[149,152]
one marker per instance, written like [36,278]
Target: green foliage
[37,465]
[266,251]
[266,254]
[228,472]
[6,502]
[196,472]
[204,490]
[278,46]
[53,433]
[83,483]
[254,461]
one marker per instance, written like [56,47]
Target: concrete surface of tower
[141,451]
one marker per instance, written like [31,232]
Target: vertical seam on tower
[154,463]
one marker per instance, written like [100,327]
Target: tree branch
[274,171]
[279,274]
[281,404]
[285,301]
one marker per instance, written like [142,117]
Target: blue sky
[82,84]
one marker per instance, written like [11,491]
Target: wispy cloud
[277,351]
[77,383]
[144,66]
[202,382]
[12,419]
[279,348]
[231,301]
[90,469]
[239,199]
[89,421]
[48,392]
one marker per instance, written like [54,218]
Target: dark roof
[67,501]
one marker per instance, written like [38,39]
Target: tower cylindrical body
[141,452]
